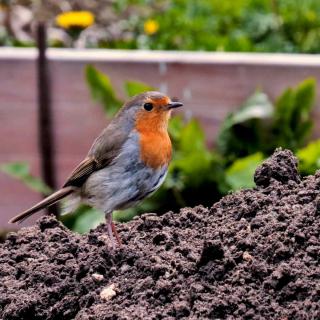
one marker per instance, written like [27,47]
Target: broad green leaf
[175,128]
[303,132]
[192,137]
[133,88]
[292,122]
[21,172]
[240,174]
[243,131]
[87,218]
[194,163]
[125,215]
[309,158]
[37,184]
[102,90]
[301,119]
[283,107]
[258,106]
[305,95]
[16,169]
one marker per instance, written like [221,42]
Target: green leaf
[292,122]
[301,122]
[125,215]
[192,161]
[102,90]
[240,174]
[258,106]
[37,184]
[16,169]
[284,105]
[244,131]
[302,132]
[21,172]
[192,137]
[176,125]
[87,218]
[309,158]
[191,155]
[305,95]
[133,88]
[195,166]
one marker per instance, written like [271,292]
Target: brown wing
[105,148]
[80,174]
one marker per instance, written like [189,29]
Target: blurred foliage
[244,132]
[210,25]
[21,172]
[83,219]
[133,88]
[260,126]
[102,90]
[199,174]
[243,25]
[240,173]
[309,158]
[292,117]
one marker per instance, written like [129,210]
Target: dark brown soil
[253,255]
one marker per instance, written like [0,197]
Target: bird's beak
[173,105]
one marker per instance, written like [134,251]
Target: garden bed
[254,254]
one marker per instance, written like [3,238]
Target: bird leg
[111,228]
[115,232]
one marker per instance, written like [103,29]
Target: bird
[126,163]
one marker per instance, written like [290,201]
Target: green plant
[254,25]
[240,173]
[102,91]
[260,126]
[292,122]
[309,158]
[210,25]
[21,172]
[243,132]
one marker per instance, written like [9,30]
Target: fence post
[45,124]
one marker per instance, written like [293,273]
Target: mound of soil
[253,255]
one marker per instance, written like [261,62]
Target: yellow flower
[75,19]
[151,27]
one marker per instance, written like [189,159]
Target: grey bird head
[148,109]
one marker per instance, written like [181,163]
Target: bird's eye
[148,106]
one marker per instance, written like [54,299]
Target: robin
[126,163]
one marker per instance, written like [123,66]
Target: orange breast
[155,150]
[155,142]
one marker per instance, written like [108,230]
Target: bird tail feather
[53,198]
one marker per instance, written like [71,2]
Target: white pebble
[108,292]
[97,276]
